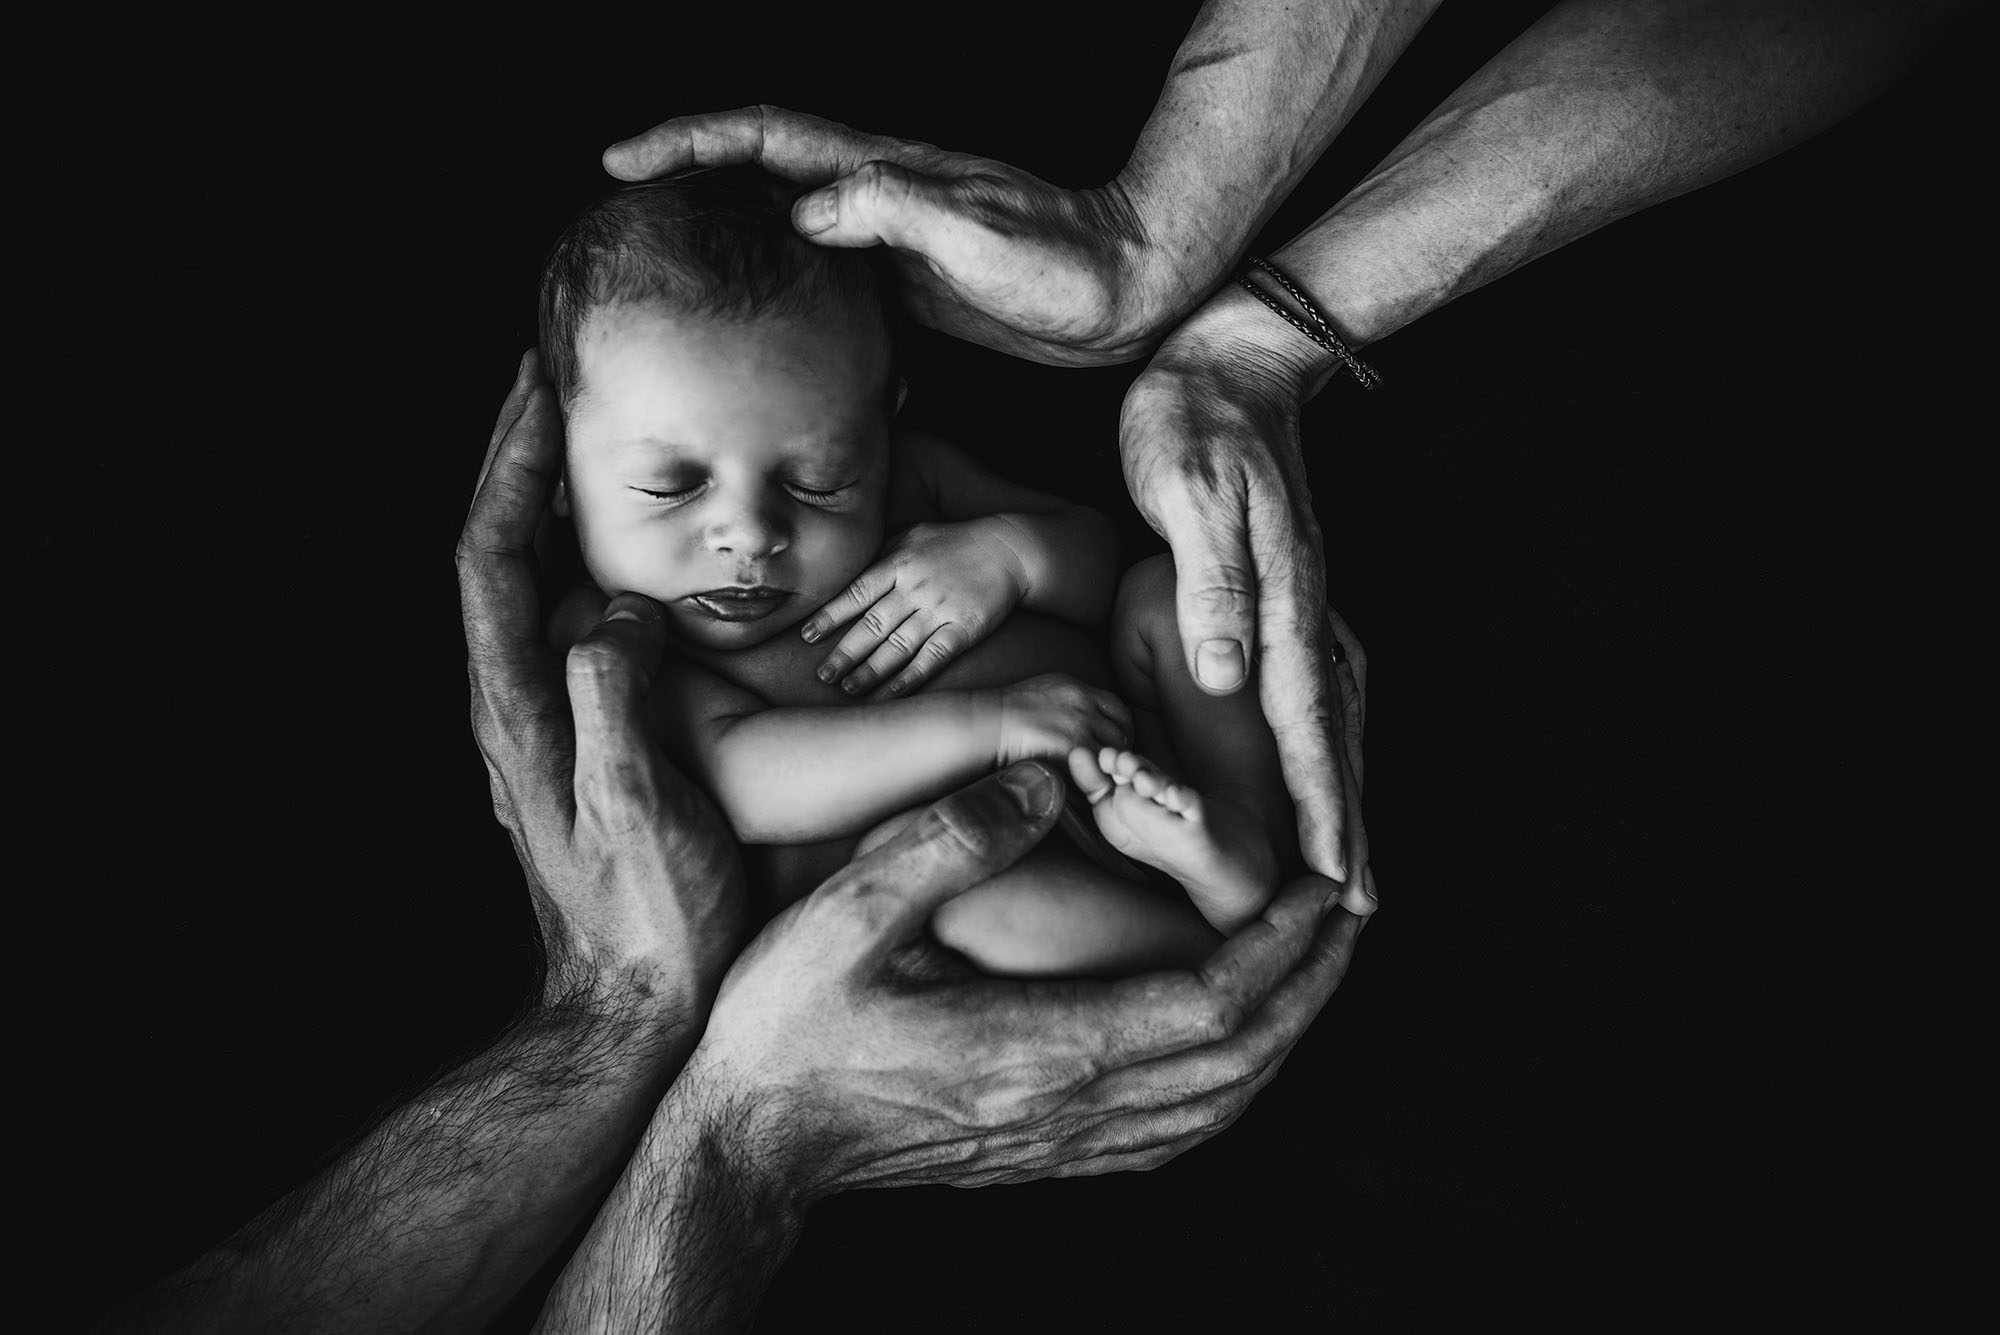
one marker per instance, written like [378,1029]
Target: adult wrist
[1233,328]
[742,1140]
[647,1003]
[1165,269]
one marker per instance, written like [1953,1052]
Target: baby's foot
[1217,849]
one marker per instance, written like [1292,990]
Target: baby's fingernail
[817,211]
[1032,788]
[1219,664]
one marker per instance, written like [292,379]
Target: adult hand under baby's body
[846,1051]
[937,590]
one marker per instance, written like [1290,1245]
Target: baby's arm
[982,547]
[793,775]
[1067,553]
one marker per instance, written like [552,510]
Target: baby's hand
[1043,717]
[937,591]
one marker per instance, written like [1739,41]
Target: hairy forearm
[691,1234]
[797,775]
[1602,108]
[1069,562]
[436,1217]
[1255,93]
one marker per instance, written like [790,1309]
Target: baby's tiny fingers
[863,637]
[896,649]
[945,644]
[868,586]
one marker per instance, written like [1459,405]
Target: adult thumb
[879,203]
[1215,600]
[881,899]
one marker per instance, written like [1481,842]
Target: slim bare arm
[1602,108]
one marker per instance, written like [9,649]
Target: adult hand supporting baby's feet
[636,881]
[846,1050]
[1209,438]
[985,252]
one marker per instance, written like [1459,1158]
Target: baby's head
[727,390]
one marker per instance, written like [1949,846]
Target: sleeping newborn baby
[729,392]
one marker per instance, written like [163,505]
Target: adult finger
[495,548]
[884,203]
[1296,692]
[881,900]
[525,376]
[851,602]
[608,671]
[1309,944]
[1215,586]
[518,713]
[790,144]
[1157,1017]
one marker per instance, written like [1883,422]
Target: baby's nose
[751,530]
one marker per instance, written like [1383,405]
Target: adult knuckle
[1225,592]
[592,663]
[877,184]
[1218,1018]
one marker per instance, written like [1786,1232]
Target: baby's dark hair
[715,242]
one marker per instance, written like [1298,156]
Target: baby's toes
[1181,800]
[1149,783]
[1089,772]
[1127,765]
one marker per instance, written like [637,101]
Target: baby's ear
[559,501]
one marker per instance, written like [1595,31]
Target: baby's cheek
[839,553]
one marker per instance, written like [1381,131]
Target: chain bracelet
[1319,331]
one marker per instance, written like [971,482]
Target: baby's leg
[1055,914]
[1221,836]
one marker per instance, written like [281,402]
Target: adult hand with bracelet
[1599,109]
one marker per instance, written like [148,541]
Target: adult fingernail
[1033,789]
[1219,664]
[810,631]
[631,607]
[817,211]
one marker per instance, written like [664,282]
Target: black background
[1661,549]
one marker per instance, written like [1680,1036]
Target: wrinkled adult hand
[985,252]
[1209,439]
[636,882]
[845,1050]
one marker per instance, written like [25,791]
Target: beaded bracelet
[1319,331]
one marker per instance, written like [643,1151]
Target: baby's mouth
[739,602]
